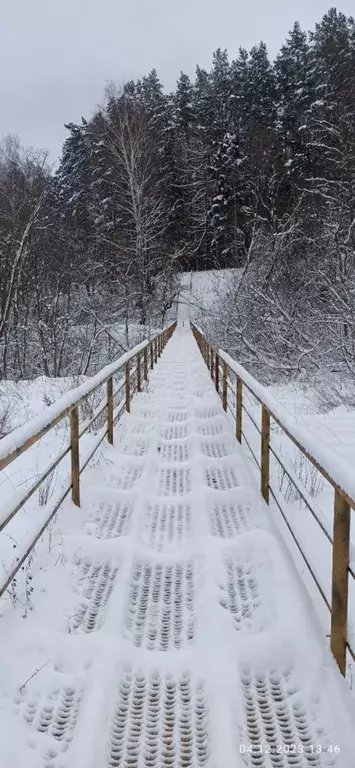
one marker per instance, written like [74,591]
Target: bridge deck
[191,639]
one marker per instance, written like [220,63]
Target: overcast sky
[56,55]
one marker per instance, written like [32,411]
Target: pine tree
[153,100]
[184,112]
[332,62]
[293,95]
[74,179]
[260,89]
[221,90]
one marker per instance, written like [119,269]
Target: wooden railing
[230,377]
[133,368]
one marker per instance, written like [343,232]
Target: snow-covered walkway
[191,640]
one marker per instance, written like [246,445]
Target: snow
[329,438]
[200,289]
[40,423]
[166,604]
[333,428]
[338,469]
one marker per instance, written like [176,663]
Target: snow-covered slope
[202,289]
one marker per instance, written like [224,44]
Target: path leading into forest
[175,632]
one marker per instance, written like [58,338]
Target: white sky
[56,55]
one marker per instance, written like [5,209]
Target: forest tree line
[250,165]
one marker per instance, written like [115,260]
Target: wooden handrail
[17,442]
[14,444]
[326,462]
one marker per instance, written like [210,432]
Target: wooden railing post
[212,363]
[265,453]
[239,410]
[208,356]
[151,355]
[340,577]
[216,371]
[110,410]
[128,387]
[75,462]
[139,378]
[145,363]
[225,386]
[155,350]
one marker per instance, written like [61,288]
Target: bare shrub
[5,416]
[88,408]
[46,489]
[308,475]
[11,401]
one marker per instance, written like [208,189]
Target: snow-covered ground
[21,402]
[167,625]
[311,407]
[29,400]
[203,288]
[335,429]
[200,290]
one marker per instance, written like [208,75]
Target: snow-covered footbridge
[174,629]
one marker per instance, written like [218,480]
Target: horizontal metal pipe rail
[222,370]
[144,356]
